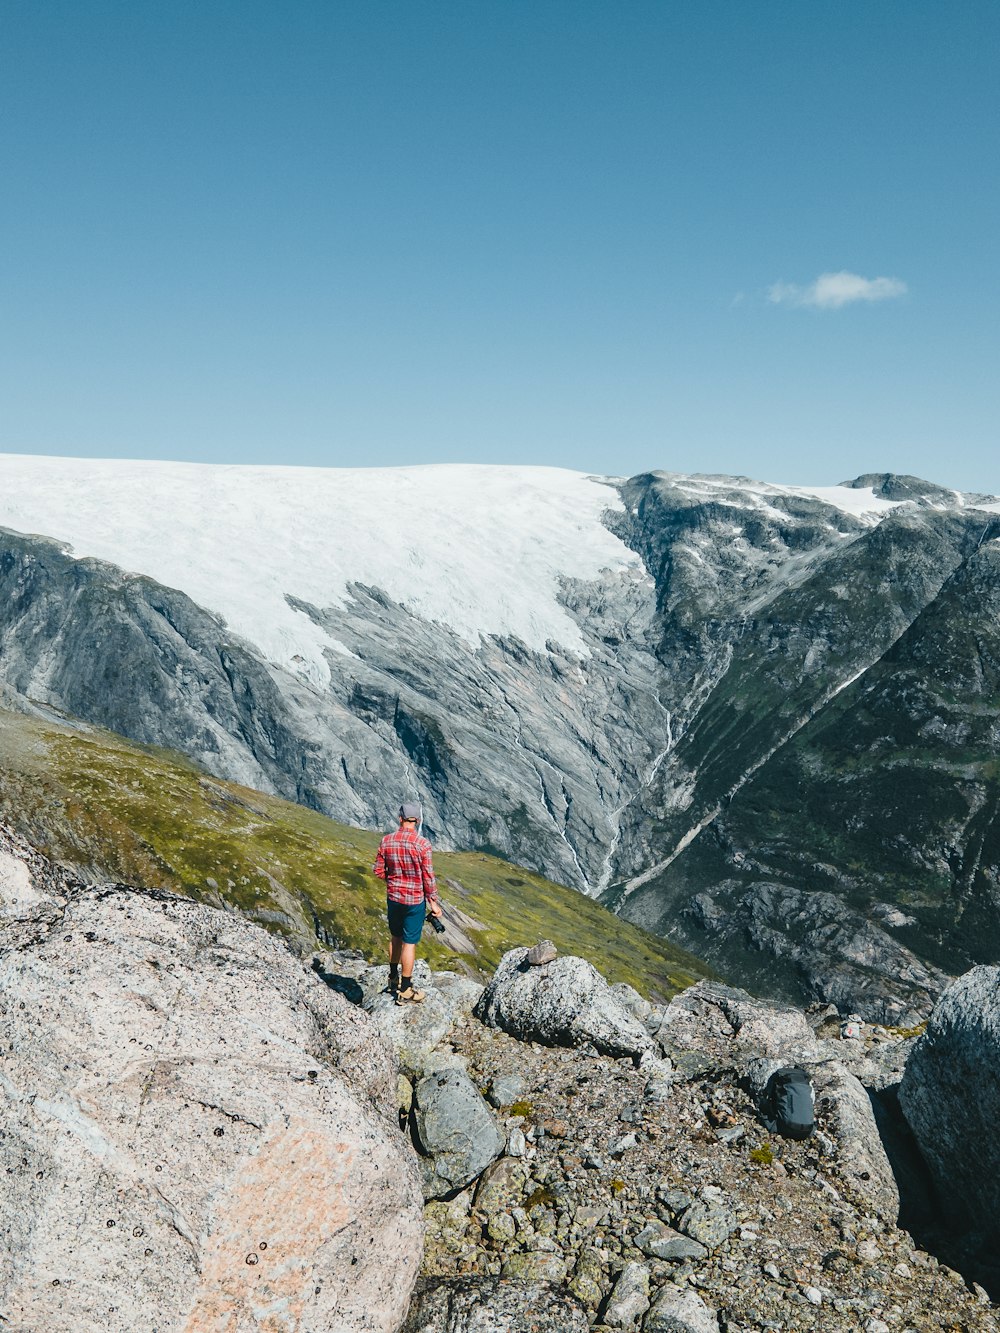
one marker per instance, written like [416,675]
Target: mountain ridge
[732,617]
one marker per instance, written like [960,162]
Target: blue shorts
[406,920]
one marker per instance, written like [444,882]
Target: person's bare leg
[395,950]
[407,989]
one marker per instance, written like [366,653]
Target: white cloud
[830,291]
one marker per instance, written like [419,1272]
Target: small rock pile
[641,1190]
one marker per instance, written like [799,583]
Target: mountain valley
[758,720]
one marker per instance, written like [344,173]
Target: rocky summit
[201,1131]
[757,719]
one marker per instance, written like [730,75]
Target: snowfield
[481,549]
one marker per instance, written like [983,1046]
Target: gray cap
[409,811]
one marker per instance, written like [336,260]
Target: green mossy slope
[113,809]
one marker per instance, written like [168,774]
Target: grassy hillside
[113,809]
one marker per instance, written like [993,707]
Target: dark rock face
[814,943]
[816,748]
[791,707]
[950,1095]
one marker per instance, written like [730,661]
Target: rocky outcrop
[416,1031]
[861,1155]
[711,1027]
[685,1214]
[680,1312]
[728,1028]
[812,944]
[564,1002]
[253,1180]
[950,1095]
[190,1124]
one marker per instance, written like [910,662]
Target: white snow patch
[847,499]
[689,550]
[860,503]
[481,549]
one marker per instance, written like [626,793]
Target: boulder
[658,1241]
[680,1311]
[659,1079]
[562,1003]
[629,1298]
[861,1157]
[501,1186]
[535,1266]
[493,1305]
[709,1220]
[950,1096]
[633,1002]
[541,953]
[506,1088]
[187,1108]
[731,1027]
[455,1130]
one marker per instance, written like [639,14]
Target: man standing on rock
[404,862]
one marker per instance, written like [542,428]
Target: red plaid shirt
[404,862]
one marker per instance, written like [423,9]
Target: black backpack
[788,1103]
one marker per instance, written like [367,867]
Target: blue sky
[585,234]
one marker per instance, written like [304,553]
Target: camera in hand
[438,924]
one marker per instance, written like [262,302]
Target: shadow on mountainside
[920,1211]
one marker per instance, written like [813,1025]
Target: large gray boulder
[565,1002]
[190,1124]
[950,1095]
[455,1129]
[629,1297]
[728,1026]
